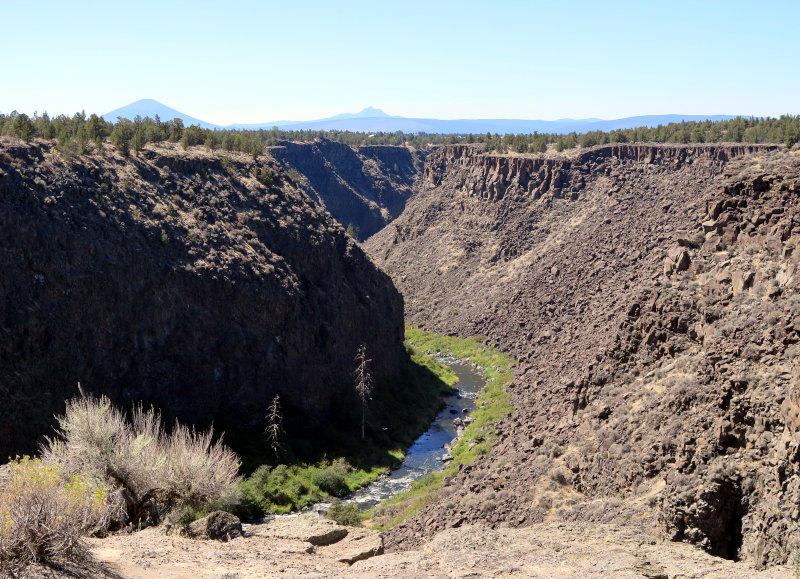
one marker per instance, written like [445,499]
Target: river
[426,454]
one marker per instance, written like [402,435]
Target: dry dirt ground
[552,550]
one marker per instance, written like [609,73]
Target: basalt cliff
[649,294]
[177,278]
[365,186]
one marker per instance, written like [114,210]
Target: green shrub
[345,514]
[331,480]
[229,166]
[287,488]
[265,176]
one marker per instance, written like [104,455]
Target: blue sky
[251,61]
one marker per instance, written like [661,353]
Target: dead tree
[274,428]
[363,383]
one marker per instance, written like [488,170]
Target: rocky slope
[649,293]
[364,186]
[178,279]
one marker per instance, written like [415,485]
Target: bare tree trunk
[363,384]
[274,428]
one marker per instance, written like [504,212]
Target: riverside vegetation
[104,471]
[492,404]
[283,488]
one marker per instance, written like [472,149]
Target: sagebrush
[44,512]
[153,470]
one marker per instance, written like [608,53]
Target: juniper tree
[122,135]
[23,127]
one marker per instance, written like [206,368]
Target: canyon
[647,292]
[649,295]
[366,186]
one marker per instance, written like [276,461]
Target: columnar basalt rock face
[176,278]
[364,186]
[492,177]
[650,294]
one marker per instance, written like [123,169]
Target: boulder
[219,525]
[677,260]
[714,208]
[730,234]
[713,243]
[742,281]
[693,239]
[359,544]
[309,528]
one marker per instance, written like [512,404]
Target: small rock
[219,525]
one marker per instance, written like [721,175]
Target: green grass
[492,404]
[287,488]
[402,506]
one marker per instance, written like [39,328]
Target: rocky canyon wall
[365,186]
[649,293]
[177,279]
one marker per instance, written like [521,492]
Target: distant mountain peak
[151,108]
[371,119]
[371,112]
[367,113]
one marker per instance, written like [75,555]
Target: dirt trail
[552,550]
